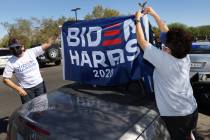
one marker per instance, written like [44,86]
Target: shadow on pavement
[198,137]
[47,65]
[202,134]
[204,110]
[3,124]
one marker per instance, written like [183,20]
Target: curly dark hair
[179,41]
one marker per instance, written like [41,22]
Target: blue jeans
[33,92]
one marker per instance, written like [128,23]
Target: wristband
[137,20]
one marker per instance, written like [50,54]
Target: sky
[189,12]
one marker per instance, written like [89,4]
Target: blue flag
[104,52]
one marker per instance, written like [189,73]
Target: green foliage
[179,25]
[200,31]
[110,13]
[156,31]
[33,31]
[100,12]
[204,30]
[4,42]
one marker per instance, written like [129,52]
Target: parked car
[200,59]
[51,55]
[202,94]
[200,64]
[5,54]
[85,112]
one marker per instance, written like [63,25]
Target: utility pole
[75,11]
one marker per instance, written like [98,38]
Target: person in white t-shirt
[173,92]
[24,66]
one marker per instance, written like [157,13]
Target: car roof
[4,48]
[200,47]
[201,43]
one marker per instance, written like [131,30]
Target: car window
[5,52]
[200,48]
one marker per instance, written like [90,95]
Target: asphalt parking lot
[9,101]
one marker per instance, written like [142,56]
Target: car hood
[82,113]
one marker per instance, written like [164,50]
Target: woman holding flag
[173,91]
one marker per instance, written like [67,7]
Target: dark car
[51,55]
[85,112]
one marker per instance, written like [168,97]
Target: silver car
[82,112]
[200,59]
[200,64]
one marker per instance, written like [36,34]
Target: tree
[20,30]
[100,12]
[33,31]
[156,31]
[49,28]
[204,30]
[194,31]
[4,42]
[179,25]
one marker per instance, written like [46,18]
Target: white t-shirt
[173,91]
[25,68]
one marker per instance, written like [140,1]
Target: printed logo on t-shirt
[27,66]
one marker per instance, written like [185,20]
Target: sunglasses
[16,47]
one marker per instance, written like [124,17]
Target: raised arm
[162,26]
[47,44]
[139,32]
